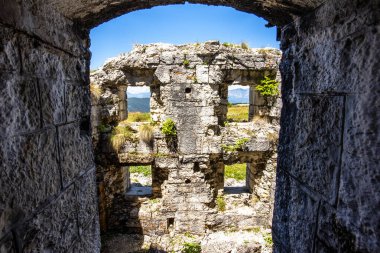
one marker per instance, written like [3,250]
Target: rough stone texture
[45,142]
[190,86]
[329,140]
[332,51]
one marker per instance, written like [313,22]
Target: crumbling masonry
[327,188]
[188,84]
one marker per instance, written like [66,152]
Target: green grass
[221,203]
[236,171]
[145,170]
[238,113]
[138,117]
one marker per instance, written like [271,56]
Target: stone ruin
[188,84]
[327,193]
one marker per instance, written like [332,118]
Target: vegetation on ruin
[95,90]
[168,128]
[238,146]
[104,128]
[138,117]
[186,63]
[221,203]
[145,170]
[227,44]
[268,239]
[268,87]
[235,171]
[237,113]
[146,133]
[191,247]
[120,134]
[244,45]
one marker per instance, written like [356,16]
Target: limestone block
[215,74]
[29,174]
[75,151]
[9,51]
[52,101]
[162,73]
[55,228]
[7,244]
[86,191]
[202,73]
[358,198]
[318,143]
[20,104]
[77,101]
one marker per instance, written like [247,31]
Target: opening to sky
[178,24]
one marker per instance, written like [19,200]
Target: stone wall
[48,198]
[330,67]
[189,84]
[328,174]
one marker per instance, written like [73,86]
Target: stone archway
[328,174]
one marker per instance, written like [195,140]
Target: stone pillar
[251,112]
[123,104]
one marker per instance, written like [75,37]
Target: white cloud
[138,89]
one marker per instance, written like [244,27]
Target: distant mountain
[138,95]
[138,104]
[238,96]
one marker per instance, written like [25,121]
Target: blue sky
[178,24]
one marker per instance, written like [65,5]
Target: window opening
[238,103]
[138,99]
[235,178]
[140,180]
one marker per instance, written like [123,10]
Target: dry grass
[260,120]
[237,113]
[146,133]
[121,134]
[95,90]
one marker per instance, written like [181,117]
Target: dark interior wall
[48,199]
[328,181]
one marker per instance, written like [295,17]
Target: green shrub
[168,128]
[227,44]
[186,63]
[268,87]
[221,203]
[191,247]
[146,133]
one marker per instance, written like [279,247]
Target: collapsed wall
[189,84]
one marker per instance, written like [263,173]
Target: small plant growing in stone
[186,63]
[268,87]
[227,44]
[191,247]
[121,134]
[221,203]
[146,133]
[268,239]
[168,128]
[238,146]
[244,45]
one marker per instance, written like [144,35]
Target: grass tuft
[146,133]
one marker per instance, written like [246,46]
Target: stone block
[162,74]
[9,50]
[77,101]
[52,92]
[87,195]
[201,73]
[359,191]
[318,143]
[29,175]
[54,229]
[90,239]
[20,104]
[76,154]
[7,244]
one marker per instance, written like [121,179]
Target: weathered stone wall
[189,84]
[328,188]
[330,62]
[48,198]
